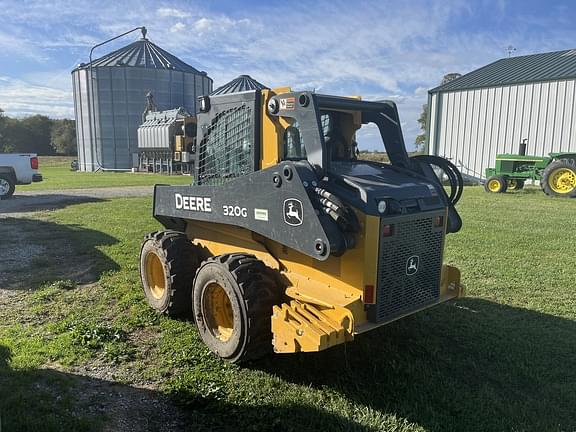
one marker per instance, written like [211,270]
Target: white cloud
[177,27]
[203,25]
[220,24]
[12,45]
[166,12]
[21,98]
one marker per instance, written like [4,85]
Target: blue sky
[378,49]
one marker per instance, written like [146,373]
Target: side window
[326,122]
[294,148]
[338,135]
[227,148]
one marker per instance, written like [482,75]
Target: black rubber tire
[252,290]
[180,259]
[503,184]
[545,181]
[519,185]
[4,178]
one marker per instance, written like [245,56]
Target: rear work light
[369,294]
[438,221]
[387,230]
[34,162]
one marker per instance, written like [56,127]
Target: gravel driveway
[33,237]
[22,204]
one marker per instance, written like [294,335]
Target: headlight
[382,206]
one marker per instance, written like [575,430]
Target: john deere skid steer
[286,241]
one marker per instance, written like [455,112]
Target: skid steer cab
[286,241]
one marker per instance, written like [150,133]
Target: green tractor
[556,173]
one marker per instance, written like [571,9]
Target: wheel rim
[562,180]
[494,185]
[218,312]
[512,184]
[155,275]
[4,186]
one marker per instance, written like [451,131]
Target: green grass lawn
[57,175]
[503,359]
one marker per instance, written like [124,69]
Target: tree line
[45,136]
[37,134]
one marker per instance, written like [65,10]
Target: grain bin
[239,84]
[108,115]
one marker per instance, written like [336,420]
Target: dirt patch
[8,298]
[123,407]
[35,251]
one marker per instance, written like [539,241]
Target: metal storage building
[109,112]
[490,110]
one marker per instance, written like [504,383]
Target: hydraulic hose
[337,210]
[452,172]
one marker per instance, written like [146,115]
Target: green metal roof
[552,66]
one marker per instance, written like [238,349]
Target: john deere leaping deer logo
[412,265]
[293,212]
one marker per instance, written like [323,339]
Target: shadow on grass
[39,202]
[35,251]
[473,365]
[47,400]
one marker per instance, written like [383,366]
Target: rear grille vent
[409,267]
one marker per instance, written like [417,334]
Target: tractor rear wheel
[515,184]
[559,179]
[496,184]
[168,262]
[233,298]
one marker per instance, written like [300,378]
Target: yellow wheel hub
[512,184]
[562,180]
[494,185]
[218,312]
[155,275]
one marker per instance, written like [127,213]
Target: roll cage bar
[305,108]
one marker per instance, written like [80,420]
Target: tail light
[438,221]
[369,294]
[387,230]
[34,162]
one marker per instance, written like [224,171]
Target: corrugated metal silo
[108,115]
[239,84]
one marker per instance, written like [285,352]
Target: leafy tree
[63,137]
[38,128]
[423,119]
[2,121]
[37,134]
[4,147]
[15,136]
[423,122]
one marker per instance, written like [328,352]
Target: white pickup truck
[17,169]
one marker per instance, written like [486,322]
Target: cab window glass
[294,148]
